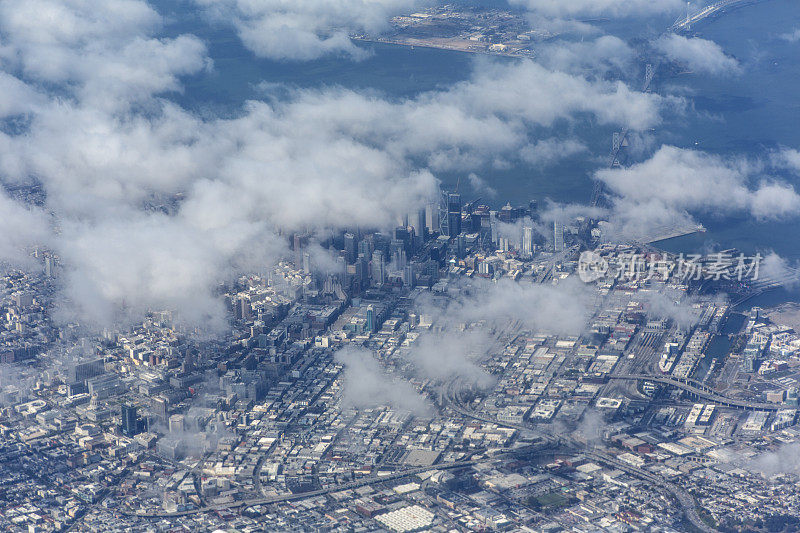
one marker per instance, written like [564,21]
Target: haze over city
[399,265]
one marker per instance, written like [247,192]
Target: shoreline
[436,46]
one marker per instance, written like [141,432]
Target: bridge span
[686,23]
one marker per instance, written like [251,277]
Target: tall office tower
[461,246]
[307,262]
[48,266]
[453,214]
[417,222]
[558,236]
[405,236]
[370,319]
[378,269]
[397,251]
[365,248]
[83,371]
[158,406]
[350,248]
[432,218]
[130,422]
[533,208]
[409,276]
[473,223]
[506,213]
[299,243]
[246,309]
[527,241]
[362,269]
[176,423]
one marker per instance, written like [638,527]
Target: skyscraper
[130,422]
[453,214]
[533,209]
[527,241]
[378,269]
[417,222]
[365,248]
[362,270]
[370,319]
[409,276]
[398,253]
[86,370]
[558,236]
[461,246]
[350,250]
[432,218]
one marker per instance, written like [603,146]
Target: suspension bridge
[686,23]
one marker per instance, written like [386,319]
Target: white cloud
[16,97]
[776,268]
[774,200]
[787,158]
[674,182]
[554,309]
[117,269]
[304,29]
[460,340]
[452,354]
[782,460]
[367,385]
[792,36]
[480,185]
[615,8]
[602,54]
[549,151]
[21,228]
[670,304]
[155,204]
[102,49]
[699,55]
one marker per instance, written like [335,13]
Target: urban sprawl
[454,374]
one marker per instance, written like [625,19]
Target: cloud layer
[699,55]
[150,205]
[594,8]
[304,29]
[366,385]
[675,183]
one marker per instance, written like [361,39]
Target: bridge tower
[649,74]
[618,144]
[688,16]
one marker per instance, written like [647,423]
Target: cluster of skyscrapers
[425,240]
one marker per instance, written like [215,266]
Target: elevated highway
[702,391]
[684,499]
[302,495]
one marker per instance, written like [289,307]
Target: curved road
[685,500]
[702,391]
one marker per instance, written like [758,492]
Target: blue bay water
[751,114]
